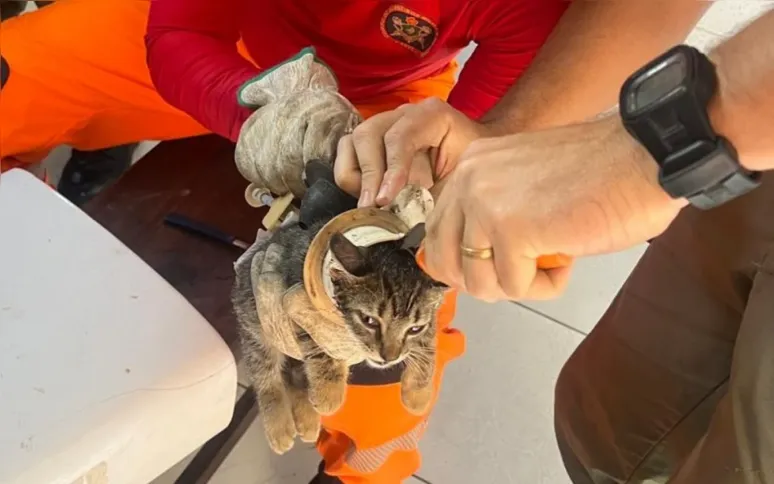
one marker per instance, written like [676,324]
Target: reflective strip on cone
[368,461]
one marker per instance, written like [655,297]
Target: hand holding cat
[299,116]
[578,190]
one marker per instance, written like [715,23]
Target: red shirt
[373,46]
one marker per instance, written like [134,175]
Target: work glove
[282,310]
[299,116]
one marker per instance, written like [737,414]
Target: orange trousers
[78,77]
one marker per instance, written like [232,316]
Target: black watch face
[657,83]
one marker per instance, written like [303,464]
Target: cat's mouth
[380,364]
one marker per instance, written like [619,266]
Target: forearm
[743,110]
[594,48]
[194,63]
[193,75]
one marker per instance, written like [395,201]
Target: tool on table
[198,228]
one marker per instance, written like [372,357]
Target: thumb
[253,96]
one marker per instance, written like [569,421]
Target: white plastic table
[107,374]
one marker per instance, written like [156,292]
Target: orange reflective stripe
[370,460]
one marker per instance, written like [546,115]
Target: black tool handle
[323,199]
[198,228]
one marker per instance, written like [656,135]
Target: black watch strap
[664,106]
[711,178]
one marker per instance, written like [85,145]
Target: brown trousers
[676,382]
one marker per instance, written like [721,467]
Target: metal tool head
[414,237]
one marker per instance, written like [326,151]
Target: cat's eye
[416,329]
[371,322]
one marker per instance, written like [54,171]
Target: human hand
[416,143]
[299,116]
[578,190]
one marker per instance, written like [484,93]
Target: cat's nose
[389,353]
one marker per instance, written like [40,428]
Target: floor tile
[142,149]
[173,473]
[728,16]
[493,423]
[593,285]
[253,462]
[54,163]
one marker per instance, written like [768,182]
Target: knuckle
[395,135]
[404,108]
[362,132]
[497,214]
[434,103]
[476,147]
[478,290]
[512,289]
[368,172]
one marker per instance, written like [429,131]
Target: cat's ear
[439,285]
[352,258]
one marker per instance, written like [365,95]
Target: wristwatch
[664,106]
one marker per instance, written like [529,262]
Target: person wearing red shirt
[88,85]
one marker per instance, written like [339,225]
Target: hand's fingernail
[383,197]
[365,199]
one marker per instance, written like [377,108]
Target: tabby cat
[387,301]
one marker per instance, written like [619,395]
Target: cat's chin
[381,365]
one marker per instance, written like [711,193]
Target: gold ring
[481,254]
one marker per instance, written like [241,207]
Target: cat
[387,302]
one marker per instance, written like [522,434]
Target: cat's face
[388,302]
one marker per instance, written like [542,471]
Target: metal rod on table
[199,228]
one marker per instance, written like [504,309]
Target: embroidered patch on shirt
[409,29]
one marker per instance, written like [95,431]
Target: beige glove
[280,308]
[299,116]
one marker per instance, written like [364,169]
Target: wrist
[723,111]
[643,192]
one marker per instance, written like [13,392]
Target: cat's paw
[328,398]
[306,417]
[308,425]
[280,429]
[418,399]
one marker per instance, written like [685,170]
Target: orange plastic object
[555,261]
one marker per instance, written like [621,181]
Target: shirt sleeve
[194,63]
[508,37]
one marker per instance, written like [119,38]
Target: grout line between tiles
[421,479]
[552,319]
